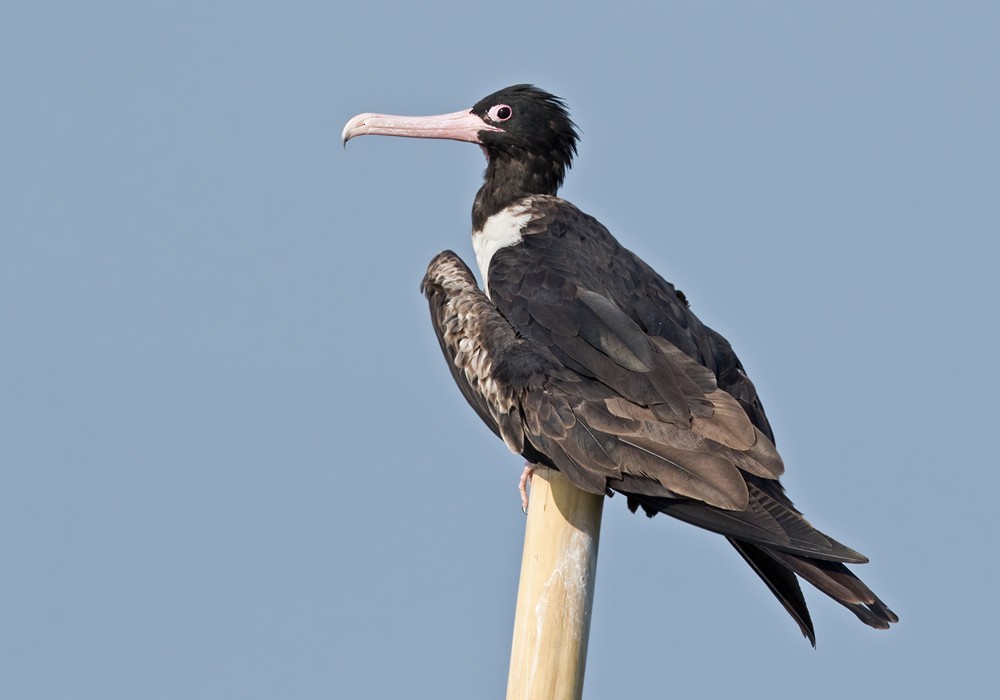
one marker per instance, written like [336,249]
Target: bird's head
[526,133]
[527,123]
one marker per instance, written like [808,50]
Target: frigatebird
[580,357]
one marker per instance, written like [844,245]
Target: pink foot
[522,485]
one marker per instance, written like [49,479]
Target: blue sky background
[233,463]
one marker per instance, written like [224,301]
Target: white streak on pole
[556,593]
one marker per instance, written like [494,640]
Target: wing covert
[580,383]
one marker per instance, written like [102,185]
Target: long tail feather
[837,581]
[782,583]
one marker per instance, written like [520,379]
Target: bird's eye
[500,113]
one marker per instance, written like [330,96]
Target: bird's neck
[511,179]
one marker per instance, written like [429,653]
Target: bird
[582,358]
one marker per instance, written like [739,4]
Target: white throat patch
[501,230]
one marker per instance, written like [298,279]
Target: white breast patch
[501,230]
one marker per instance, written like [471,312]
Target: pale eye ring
[500,113]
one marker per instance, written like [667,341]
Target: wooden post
[556,592]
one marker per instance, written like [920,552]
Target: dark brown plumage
[583,358]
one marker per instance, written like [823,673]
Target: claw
[522,485]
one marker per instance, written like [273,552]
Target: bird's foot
[522,485]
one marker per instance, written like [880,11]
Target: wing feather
[649,403]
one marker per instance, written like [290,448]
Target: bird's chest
[502,230]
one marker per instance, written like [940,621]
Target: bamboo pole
[556,592]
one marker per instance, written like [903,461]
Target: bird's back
[564,247]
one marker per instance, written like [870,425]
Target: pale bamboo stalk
[556,593]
